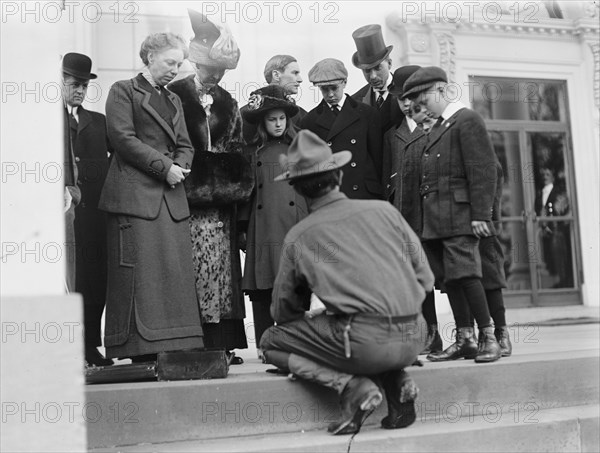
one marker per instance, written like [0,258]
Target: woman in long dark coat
[220,179]
[151,304]
[274,207]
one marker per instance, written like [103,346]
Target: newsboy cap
[422,80]
[400,76]
[327,72]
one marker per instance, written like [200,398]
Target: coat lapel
[367,97]
[326,118]
[346,117]
[439,131]
[84,119]
[141,85]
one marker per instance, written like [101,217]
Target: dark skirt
[151,303]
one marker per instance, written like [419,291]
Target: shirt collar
[412,124]
[341,103]
[326,199]
[451,109]
[146,74]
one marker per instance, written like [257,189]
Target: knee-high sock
[428,309]
[495,303]
[459,305]
[477,302]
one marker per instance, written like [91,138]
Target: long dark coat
[402,164]
[90,146]
[391,115]
[274,208]
[357,128]
[150,277]
[214,231]
[459,176]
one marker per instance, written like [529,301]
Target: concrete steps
[547,394]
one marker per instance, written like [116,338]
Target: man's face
[290,78]
[377,75]
[74,90]
[333,93]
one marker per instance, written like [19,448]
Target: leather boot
[360,397]
[434,340]
[401,393]
[501,334]
[489,349]
[464,347]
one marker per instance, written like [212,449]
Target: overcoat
[217,263]
[90,146]
[274,208]
[357,128]
[391,115]
[459,176]
[151,304]
[402,164]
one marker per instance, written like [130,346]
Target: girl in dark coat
[274,208]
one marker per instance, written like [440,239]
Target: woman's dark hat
[308,155]
[269,98]
[371,50]
[78,65]
[400,77]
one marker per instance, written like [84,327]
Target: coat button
[353,141]
[259,206]
[219,224]
[426,188]
[259,163]
[438,155]
[354,187]
[353,164]
[260,185]
[77,159]
[292,203]
[424,196]
[426,153]
[328,143]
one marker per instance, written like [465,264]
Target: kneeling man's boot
[489,349]
[360,397]
[464,347]
[401,393]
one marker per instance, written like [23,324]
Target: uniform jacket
[459,176]
[391,115]
[274,208]
[357,128]
[145,146]
[402,163]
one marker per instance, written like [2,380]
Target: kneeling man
[364,262]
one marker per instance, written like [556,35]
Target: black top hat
[371,49]
[400,76]
[78,65]
[269,98]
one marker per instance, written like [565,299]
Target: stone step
[520,387]
[573,429]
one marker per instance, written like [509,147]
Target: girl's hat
[269,98]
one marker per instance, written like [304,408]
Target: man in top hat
[86,163]
[371,330]
[372,56]
[457,187]
[282,70]
[344,123]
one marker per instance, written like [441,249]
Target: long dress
[220,178]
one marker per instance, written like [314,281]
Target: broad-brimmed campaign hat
[327,72]
[269,98]
[400,76]
[370,48]
[422,80]
[78,65]
[309,155]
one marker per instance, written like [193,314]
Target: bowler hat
[422,80]
[309,155]
[78,65]
[371,50]
[269,98]
[400,76]
[327,72]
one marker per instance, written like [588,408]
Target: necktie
[72,120]
[380,100]
[335,109]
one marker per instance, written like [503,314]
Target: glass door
[538,228]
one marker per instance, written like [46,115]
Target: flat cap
[422,80]
[327,71]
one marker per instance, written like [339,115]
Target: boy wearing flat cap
[371,330]
[458,184]
[344,123]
